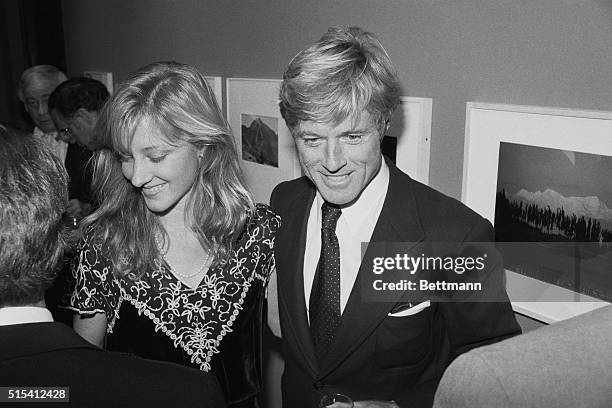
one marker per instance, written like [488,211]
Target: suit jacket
[79,172]
[375,356]
[51,354]
[564,365]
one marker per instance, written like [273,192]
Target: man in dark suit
[74,107]
[337,98]
[35,351]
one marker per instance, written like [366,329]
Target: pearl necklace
[174,271]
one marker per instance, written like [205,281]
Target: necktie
[324,303]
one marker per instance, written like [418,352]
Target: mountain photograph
[554,207]
[259,139]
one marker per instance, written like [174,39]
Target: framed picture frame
[540,162]
[411,126]
[105,77]
[216,83]
[265,146]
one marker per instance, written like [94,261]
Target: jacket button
[319,385]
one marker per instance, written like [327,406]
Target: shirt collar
[24,314]
[38,134]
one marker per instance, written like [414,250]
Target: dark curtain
[31,33]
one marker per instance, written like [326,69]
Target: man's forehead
[39,86]
[362,121]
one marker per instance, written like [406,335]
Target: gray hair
[33,198]
[45,72]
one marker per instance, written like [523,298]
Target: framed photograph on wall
[216,83]
[541,176]
[408,139]
[265,146]
[105,77]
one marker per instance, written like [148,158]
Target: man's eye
[353,138]
[311,141]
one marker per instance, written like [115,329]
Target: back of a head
[78,93]
[345,72]
[33,197]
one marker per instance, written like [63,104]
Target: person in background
[74,107]
[35,87]
[174,263]
[337,98]
[35,351]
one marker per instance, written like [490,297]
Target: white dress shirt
[355,225]
[24,314]
[58,147]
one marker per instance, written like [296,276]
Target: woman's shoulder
[262,223]
[262,214]
[90,247]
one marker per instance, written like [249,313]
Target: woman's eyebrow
[154,149]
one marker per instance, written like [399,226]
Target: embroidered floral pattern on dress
[196,320]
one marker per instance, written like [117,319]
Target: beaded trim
[200,355]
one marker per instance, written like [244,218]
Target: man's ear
[84,117]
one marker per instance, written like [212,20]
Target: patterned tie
[324,304]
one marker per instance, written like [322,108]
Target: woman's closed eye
[158,158]
[123,158]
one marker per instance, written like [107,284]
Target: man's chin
[338,198]
[46,128]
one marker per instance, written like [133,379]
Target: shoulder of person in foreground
[575,354]
[159,381]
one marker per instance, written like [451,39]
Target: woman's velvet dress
[216,327]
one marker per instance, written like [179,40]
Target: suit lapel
[290,259]
[398,222]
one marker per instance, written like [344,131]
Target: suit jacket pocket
[404,342]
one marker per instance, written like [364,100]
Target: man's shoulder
[292,186]
[286,192]
[433,205]
[159,380]
[67,360]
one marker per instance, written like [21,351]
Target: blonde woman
[175,261]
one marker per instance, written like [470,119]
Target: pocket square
[410,310]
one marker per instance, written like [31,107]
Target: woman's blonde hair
[177,98]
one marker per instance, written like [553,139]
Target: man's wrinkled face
[35,99]
[341,159]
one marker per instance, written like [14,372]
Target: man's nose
[334,156]
[43,108]
[141,173]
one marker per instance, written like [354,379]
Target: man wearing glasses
[75,106]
